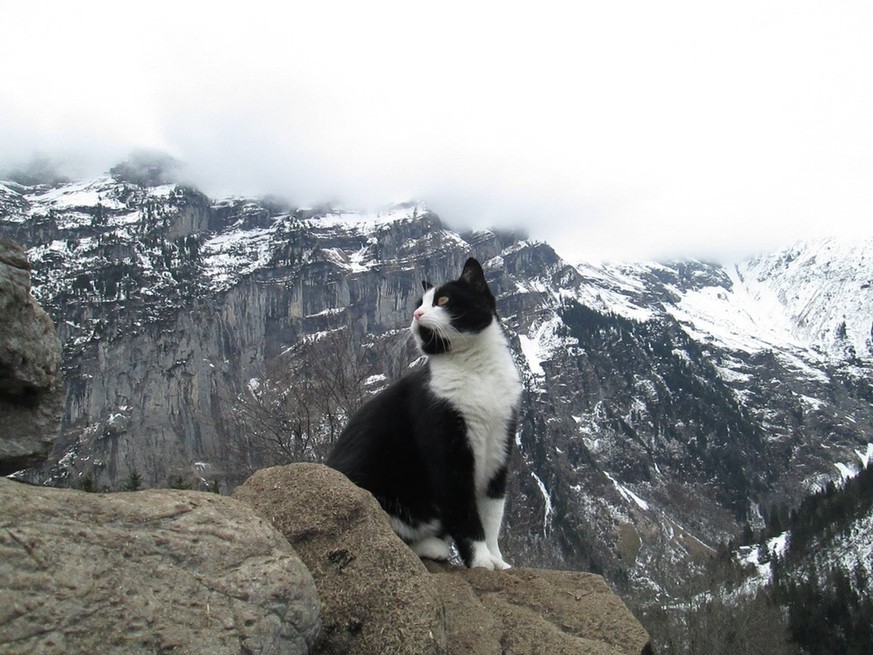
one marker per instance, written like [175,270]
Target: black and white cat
[433,448]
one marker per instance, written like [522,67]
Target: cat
[433,447]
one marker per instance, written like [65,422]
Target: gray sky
[613,130]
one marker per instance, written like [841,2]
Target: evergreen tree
[179,482]
[87,483]
[134,481]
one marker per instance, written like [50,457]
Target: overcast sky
[613,130]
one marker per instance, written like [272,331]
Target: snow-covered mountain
[666,404]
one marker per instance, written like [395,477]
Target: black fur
[410,450]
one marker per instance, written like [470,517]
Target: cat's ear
[426,285]
[474,275]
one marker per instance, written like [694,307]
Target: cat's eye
[442,300]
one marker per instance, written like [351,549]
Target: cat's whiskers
[446,332]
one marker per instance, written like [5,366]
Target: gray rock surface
[377,597]
[147,572]
[31,391]
[526,611]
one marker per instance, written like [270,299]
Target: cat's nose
[418,313]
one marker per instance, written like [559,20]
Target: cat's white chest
[484,386]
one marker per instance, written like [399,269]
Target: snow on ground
[614,288]
[627,494]
[734,319]
[823,288]
[814,404]
[865,457]
[366,222]
[79,194]
[231,255]
[851,469]
[547,498]
[855,547]
[846,472]
[759,556]
[542,343]
[530,348]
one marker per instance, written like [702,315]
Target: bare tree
[299,408]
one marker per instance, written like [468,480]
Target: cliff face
[31,392]
[665,404]
[168,306]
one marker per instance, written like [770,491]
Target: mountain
[666,405]
[799,585]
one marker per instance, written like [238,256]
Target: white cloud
[624,129]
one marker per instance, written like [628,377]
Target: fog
[612,130]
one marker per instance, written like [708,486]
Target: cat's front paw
[499,563]
[482,557]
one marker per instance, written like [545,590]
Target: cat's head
[449,316]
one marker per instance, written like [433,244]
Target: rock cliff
[31,390]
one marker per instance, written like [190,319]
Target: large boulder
[377,597]
[31,390]
[157,571]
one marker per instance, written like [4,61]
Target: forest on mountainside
[816,598]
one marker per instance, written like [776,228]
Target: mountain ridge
[665,404]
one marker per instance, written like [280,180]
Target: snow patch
[759,557]
[365,222]
[530,348]
[547,498]
[542,345]
[865,457]
[846,472]
[627,494]
[235,254]
[814,404]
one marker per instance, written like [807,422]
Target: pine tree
[86,483]
[134,481]
[179,482]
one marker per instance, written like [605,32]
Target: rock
[524,611]
[147,572]
[31,392]
[377,597]
[471,627]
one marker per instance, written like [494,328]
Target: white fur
[432,548]
[413,535]
[491,514]
[423,538]
[485,559]
[479,378]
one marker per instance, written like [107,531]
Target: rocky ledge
[31,390]
[300,561]
[378,597]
